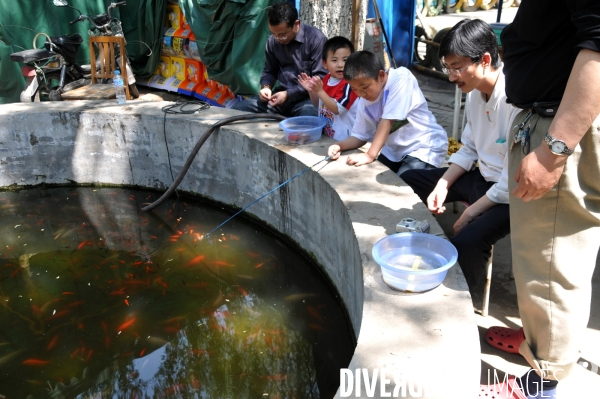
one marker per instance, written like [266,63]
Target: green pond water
[101,300]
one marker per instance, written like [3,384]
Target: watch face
[558,147]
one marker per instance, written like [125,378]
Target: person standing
[552,69]
[293,48]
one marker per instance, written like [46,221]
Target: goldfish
[314,312]
[128,323]
[197,259]
[58,315]
[142,352]
[157,341]
[297,297]
[126,302]
[35,362]
[316,327]
[10,356]
[52,343]
[252,254]
[119,292]
[259,265]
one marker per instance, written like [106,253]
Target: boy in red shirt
[332,95]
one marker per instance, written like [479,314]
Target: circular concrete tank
[335,213]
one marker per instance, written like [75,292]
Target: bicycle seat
[32,55]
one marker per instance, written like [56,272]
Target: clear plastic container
[414,262]
[120,88]
[302,129]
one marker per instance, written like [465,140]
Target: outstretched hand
[305,81]
[317,83]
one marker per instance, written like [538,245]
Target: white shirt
[402,99]
[485,138]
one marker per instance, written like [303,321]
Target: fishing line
[258,199]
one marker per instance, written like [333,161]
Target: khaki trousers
[555,241]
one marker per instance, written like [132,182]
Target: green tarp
[231,37]
[11,81]
[21,20]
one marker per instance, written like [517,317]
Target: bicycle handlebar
[75,20]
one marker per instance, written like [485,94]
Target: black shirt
[284,62]
[540,47]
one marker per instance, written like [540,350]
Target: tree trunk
[334,17]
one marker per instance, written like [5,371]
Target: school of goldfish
[101,286]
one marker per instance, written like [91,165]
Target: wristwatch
[265,85]
[557,147]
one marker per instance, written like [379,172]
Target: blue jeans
[302,107]
[408,163]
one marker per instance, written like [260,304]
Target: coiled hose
[201,141]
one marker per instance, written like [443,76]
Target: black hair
[362,64]
[336,43]
[282,12]
[471,38]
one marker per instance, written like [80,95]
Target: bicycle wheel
[489,4]
[433,52]
[451,6]
[471,5]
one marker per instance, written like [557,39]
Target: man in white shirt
[478,173]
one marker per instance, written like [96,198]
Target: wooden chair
[104,66]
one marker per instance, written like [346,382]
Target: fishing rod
[207,235]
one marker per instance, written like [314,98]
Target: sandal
[505,339]
[508,389]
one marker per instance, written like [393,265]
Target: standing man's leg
[554,245]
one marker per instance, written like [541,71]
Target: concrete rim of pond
[425,342]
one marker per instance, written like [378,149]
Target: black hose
[199,144]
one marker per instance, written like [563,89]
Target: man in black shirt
[292,48]
[552,68]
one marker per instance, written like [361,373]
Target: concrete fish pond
[100,299]
[333,213]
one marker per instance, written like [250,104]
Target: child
[332,95]
[392,114]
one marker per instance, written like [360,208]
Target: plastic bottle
[119,87]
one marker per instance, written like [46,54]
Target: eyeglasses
[457,71]
[280,36]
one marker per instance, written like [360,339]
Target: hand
[538,172]
[463,220]
[359,159]
[278,98]
[305,81]
[334,152]
[435,200]
[317,84]
[264,94]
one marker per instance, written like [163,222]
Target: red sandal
[505,339]
[508,389]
